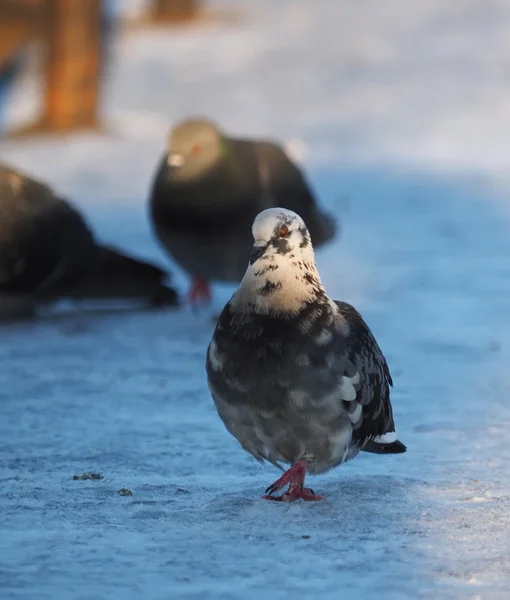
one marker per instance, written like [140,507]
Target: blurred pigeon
[296,377]
[208,189]
[47,252]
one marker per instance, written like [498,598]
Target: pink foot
[295,477]
[306,494]
[200,290]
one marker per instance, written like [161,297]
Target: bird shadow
[358,512]
[347,496]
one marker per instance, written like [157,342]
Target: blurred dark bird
[47,252]
[297,377]
[206,192]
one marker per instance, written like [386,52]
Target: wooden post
[170,11]
[72,65]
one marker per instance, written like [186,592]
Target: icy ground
[403,111]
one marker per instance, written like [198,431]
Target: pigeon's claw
[295,493]
[295,478]
[200,291]
[272,488]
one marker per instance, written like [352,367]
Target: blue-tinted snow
[424,254]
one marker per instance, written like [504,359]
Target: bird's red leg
[200,290]
[295,477]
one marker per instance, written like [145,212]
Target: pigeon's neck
[280,287]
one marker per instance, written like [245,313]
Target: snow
[399,111]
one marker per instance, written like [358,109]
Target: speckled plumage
[203,203]
[48,252]
[294,375]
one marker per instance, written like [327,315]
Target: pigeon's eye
[284,231]
[196,149]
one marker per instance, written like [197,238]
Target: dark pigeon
[296,377]
[48,252]
[208,189]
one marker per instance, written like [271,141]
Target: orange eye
[284,231]
[197,148]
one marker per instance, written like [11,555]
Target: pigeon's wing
[73,252]
[283,184]
[371,411]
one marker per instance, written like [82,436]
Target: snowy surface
[403,110]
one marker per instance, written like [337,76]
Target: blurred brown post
[20,22]
[72,64]
[169,11]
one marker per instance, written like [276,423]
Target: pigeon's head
[194,147]
[281,277]
[280,236]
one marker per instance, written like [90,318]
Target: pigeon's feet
[295,478]
[295,493]
[200,291]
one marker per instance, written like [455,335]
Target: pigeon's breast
[280,402]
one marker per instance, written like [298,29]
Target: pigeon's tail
[115,275]
[385,444]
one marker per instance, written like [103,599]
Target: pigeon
[48,252]
[206,192]
[296,377]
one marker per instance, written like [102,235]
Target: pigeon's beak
[175,160]
[256,253]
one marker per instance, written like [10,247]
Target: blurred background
[399,114]
[412,86]
[410,81]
